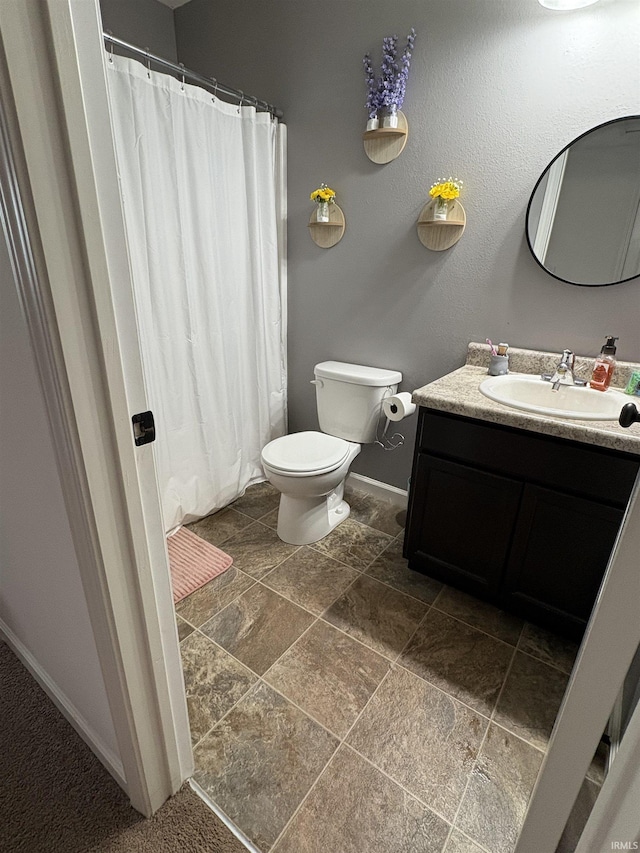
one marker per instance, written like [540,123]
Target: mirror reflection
[583,219]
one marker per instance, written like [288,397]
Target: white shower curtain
[203,188]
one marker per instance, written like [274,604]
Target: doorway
[598,664]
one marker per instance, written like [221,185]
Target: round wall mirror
[583,218]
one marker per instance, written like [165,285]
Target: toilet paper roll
[398,407]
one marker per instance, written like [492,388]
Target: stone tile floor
[340,703]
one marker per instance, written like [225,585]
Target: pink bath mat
[193,562]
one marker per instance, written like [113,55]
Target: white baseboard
[95,743]
[382,491]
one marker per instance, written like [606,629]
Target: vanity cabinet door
[462,522]
[560,551]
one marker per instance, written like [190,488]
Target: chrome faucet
[564,373]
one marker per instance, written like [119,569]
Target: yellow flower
[446,189]
[323,193]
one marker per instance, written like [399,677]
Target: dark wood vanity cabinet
[524,520]
[461,522]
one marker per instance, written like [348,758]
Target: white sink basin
[570,401]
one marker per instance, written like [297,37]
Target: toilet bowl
[309,468]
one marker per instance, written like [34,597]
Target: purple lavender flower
[389,90]
[372,104]
[388,71]
[403,74]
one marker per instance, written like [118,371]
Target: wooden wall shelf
[327,234]
[381,132]
[441,234]
[386,143]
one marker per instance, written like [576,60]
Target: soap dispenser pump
[604,365]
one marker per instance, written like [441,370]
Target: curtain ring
[215,89]
[148,63]
[182,83]
[240,101]
[110,48]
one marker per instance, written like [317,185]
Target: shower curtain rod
[179,69]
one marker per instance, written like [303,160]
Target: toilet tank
[349,398]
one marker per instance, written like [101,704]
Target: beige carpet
[55,796]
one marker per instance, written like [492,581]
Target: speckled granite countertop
[459,394]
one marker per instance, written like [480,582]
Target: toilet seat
[303,453]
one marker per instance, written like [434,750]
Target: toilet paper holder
[394,408]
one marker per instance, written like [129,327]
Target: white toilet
[310,468]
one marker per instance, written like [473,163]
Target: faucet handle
[568,357]
[628,415]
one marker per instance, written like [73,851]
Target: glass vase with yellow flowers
[324,196]
[443,192]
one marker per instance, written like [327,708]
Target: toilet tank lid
[357,374]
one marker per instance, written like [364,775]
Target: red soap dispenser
[604,365]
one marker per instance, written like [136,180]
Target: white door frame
[549,206]
[616,813]
[81,318]
[609,644]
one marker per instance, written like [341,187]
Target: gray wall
[497,88]
[145,23]
[43,610]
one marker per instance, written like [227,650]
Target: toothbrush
[502,349]
[494,351]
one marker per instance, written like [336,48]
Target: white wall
[497,88]
[43,611]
